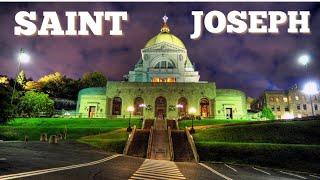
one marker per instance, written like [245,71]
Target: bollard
[26,138]
[60,137]
[53,139]
[43,137]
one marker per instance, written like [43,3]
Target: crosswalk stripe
[158,169]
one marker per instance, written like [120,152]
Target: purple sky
[251,63]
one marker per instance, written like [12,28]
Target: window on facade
[285,99]
[304,107]
[298,107]
[316,107]
[286,108]
[315,98]
[138,108]
[277,99]
[297,98]
[164,65]
[278,108]
[271,99]
[272,108]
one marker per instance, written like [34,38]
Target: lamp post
[311,88]
[22,58]
[192,111]
[142,106]
[130,110]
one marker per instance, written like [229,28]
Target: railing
[170,145]
[129,141]
[193,146]
[150,143]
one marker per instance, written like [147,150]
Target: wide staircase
[181,146]
[162,140]
[139,144]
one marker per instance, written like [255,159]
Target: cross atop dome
[165,28]
[165,18]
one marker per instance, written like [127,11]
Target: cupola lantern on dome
[165,27]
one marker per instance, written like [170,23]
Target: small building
[288,104]
[163,84]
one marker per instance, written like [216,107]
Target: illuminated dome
[165,36]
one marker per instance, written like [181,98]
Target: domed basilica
[163,84]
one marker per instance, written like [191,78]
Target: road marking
[291,174]
[233,169]
[260,170]
[3,159]
[314,176]
[215,172]
[45,171]
[157,169]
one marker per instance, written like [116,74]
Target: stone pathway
[160,144]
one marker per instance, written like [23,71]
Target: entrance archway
[204,107]
[160,107]
[138,109]
[182,111]
[116,106]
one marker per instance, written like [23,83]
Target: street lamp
[304,59]
[22,58]
[311,88]
[192,111]
[130,110]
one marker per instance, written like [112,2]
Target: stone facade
[163,84]
[287,104]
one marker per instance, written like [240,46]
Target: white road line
[260,170]
[215,172]
[291,174]
[233,169]
[3,159]
[45,171]
[311,175]
[157,169]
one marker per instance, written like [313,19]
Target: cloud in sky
[249,62]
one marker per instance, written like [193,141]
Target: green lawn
[207,122]
[291,145]
[18,128]
[113,141]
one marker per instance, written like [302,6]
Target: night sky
[248,62]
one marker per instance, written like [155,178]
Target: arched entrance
[204,107]
[160,107]
[182,111]
[138,109]
[116,106]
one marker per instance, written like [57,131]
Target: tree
[21,78]
[94,79]
[34,103]
[6,109]
[267,113]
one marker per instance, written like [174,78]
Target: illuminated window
[277,99]
[271,99]
[164,79]
[278,108]
[286,108]
[316,107]
[297,98]
[285,99]
[272,108]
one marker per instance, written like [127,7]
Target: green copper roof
[93,91]
[165,37]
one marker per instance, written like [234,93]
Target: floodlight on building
[287,115]
[310,88]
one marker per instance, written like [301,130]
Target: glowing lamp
[130,109]
[23,57]
[179,106]
[192,110]
[304,59]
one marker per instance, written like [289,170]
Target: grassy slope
[291,145]
[113,141]
[76,128]
[208,122]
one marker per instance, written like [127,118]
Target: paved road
[76,161]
